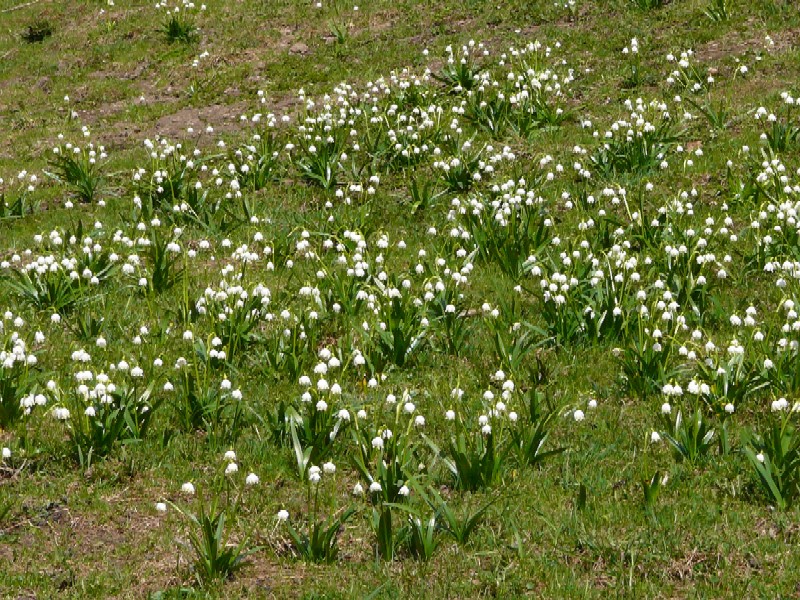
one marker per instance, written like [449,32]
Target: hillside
[399,300]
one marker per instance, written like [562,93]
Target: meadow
[402,299]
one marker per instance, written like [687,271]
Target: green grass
[78,497]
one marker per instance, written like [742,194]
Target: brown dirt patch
[737,44]
[222,117]
[87,543]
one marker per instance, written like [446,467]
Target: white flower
[252,479]
[666,408]
[375,487]
[230,456]
[578,415]
[161,507]
[729,408]
[377,442]
[760,457]
[6,453]
[655,437]
[450,415]
[358,489]
[188,488]
[283,515]
[404,491]
[61,413]
[780,404]
[329,468]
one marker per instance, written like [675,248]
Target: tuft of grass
[180,28]
[37,31]
[646,5]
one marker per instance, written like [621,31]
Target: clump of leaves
[96,427]
[648,4]
[50,290]
[14,384]
[775,457]
[783,135]
[506,234]
[165,258]
[650,490]
[422,540]
[458,527]
[320,163]
[320,543]
[179,27]
[690,440]
[475,459]
[639,146]
[313,433]
[78,169]
[387,539]
[339,32]
[214,557]
[462,72]
[16,207]
[718,10]
[422,196]
[202,406]
[531,433]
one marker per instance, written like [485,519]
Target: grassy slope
[97,535]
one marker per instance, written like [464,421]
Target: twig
[7,473]
[19,6]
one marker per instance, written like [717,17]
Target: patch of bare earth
[737,44]
[87,545]
[224,118]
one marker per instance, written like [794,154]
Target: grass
[559,500]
